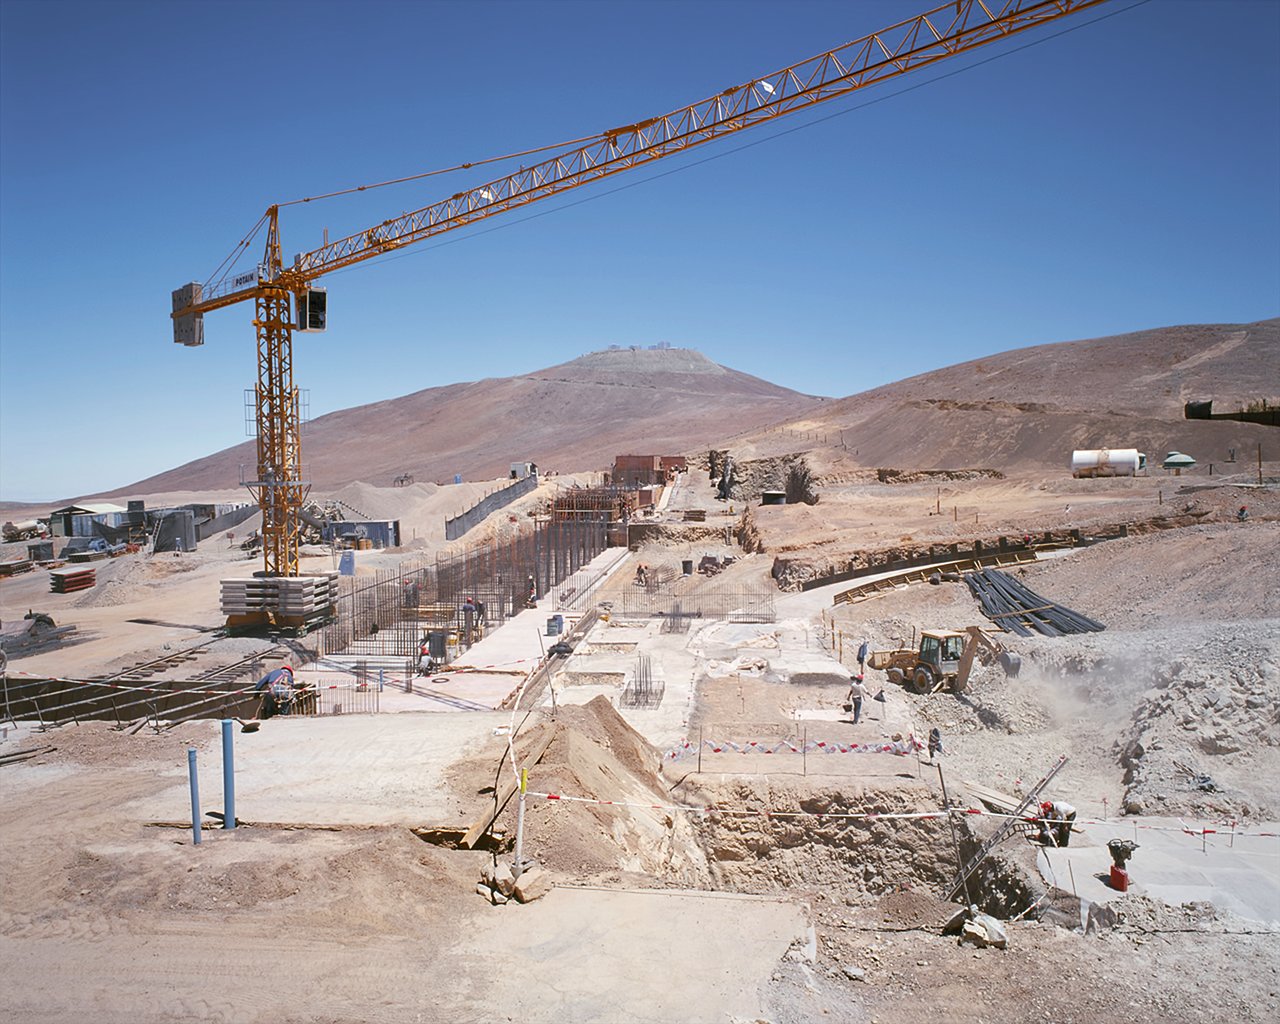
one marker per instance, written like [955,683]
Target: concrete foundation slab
[1240,875]
[594,954]
[342,770]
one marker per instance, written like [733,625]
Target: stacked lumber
[68,581]
[15,567]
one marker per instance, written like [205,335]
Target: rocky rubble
[1205,738]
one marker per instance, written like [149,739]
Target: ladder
[1002,833]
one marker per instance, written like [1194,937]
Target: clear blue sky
[1121,176]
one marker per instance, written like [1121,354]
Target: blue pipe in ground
[228,776]
[195,795]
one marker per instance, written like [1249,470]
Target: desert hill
[575,416]
[1031,406]
[1026,408]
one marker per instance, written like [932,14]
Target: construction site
[759,707]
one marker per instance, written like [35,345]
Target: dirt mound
[101,744]
[1205,740]
[1200,573]
[599,722]
[593,754]
[367,882]
[912,908]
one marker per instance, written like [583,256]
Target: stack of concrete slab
[291,597]
[304,597]
[249,597]
[68,581]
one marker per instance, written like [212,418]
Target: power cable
[444,170]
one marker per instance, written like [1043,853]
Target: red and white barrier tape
[687,748]
[881,816]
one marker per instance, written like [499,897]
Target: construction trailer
[673,464]
[78,520]
[634,471]
[380,533]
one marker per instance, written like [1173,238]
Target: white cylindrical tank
[1107,462]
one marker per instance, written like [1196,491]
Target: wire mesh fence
[737,604]
[340,690]
[461,595]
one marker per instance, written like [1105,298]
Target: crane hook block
[312,309]
[188,329]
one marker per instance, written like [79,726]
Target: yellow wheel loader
[943,660]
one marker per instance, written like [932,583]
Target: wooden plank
[992,797]
[508,789]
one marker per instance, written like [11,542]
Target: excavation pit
[774,835]
[589,678]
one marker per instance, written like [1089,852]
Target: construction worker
[426,663]
[856,694]
[935,744]
[1243,514]
[863,648]
[1056,819]
[277,689]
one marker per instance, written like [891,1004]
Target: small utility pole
[518,867]
[955,841]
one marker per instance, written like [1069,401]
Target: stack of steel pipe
[1008,603]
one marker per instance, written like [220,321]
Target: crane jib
[952,28]
[906,47]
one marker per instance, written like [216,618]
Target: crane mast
[948,30]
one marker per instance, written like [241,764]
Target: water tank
[1087,462]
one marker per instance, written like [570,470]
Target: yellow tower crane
[950,29]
